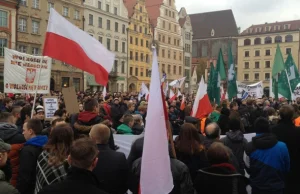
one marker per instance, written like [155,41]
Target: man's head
[213,131]
[80,107]
[130,106]
[32,128]
[234,124]
[100,133]
[8,102]
[40,113]
[83,154]
[261,125]
[57,121]
[218,153]
[286,113]
[6,117]
[4,149]
[116,101]
[16,112]
[26,113]
[142,110]
[234,106]
[91,105]
[128,120]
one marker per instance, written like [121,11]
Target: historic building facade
[107,21]
[7,31]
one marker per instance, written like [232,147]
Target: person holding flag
[231,87]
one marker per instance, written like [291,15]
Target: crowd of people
[76,153]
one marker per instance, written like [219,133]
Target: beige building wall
[169,36]
[259,68]
[32,25]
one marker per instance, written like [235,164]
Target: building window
[146,30]
[135,27]
[123,67]
[169,40]
[256,76]
[91,19]
[163,68]
[35,27]
[35,51]
[180,70]
[247,54]
[136,56]
[23,2]
[147,58]
[115,10]
[65,11]
[159,37]
[163,38]
[142,72]
[131,40]
[22,25]
[169,54]
[267,64]
[174,70]
[99,22]
[286,26]
[257,41]
[166,12]
[278,39]
[170,2]
[174,55]
[246,76]
[257,53]
[180,57]
[268,40]
[141,9]
[50,5]
[130,70]
[136,41]
[169,13]
[116,45]
[136,71]
[247,42]
[142,56]
[107,7]
[187,61]
[163,53]
[65,82]
[173,15]
[22,49]
[108,25]
[268,52]
[116,66]
[175,41]
[288,51]
[178,42]
[3,44]
[123,47]
[256,65]
[123,29]
[76,84]
[142,42]
[76,15]
[99,5]
[131,55]
[169,68]
[147,43]
[3,18]
[246,65]
[170,26]
[141,19]
[100,39]
[267,76]
[116,27]
[288,38]
[141,29]
[108,44]
[36,4]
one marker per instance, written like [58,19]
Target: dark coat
[290,135]
[9,134]
[136,151]
[112,170]
[85,121]
[78,181]
[221,178]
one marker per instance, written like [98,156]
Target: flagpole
[38,81]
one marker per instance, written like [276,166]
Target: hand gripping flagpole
[38,81]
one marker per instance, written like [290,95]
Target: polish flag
[172,95]
[202,106]
[67,43]
[104,92]
[182,105]
[179,93]
[156,175]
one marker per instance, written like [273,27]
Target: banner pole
[38,81]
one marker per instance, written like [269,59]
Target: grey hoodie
[5,187]
[9,134]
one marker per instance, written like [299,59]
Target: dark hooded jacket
[269,163]
[237,143]
[10,134]
[85,122]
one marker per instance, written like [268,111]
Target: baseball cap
[39,108]
[4,147]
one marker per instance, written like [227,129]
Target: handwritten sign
[50,106]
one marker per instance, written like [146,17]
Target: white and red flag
[68,43]
[156,176]
[202,106]
[172,95]
[182,105]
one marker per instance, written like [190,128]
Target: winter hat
[39,108]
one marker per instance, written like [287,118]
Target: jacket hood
[264,141]
[38,141]
[235,136]
[86,116]
[124,129]
[7,131]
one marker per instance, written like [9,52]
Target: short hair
[234,124]
[7,100]
[127,119]
[218,153]
[35,125]
[90,104]
[56,120]
[271,111]
[261,125]
[83,152]
[286,113]
[16,110]
[26,111]
[214,133]
[100,133]
[233,104]
[4,117]
[60,112]
[142,108]
[129,105]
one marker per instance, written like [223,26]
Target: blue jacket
[269,162]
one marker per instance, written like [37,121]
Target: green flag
[231,87]
[292,72]
[280,80]
[210,83]
[219,75]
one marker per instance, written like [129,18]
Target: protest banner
[50,106]
[253,90]
[70,100]
[25,73]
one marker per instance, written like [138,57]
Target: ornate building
[107,21]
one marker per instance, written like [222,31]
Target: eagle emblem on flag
[30,75]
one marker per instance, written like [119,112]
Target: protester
[83,159]
[7,105]
[125,128]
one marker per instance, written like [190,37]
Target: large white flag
[177,83]
[156,176]
[144,91]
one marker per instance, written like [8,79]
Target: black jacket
[136,151]
[112,170]
[221,178]
[237,143]
[78,181]
[9,134]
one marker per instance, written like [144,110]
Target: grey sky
[247,12]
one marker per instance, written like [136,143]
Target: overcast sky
[247,12]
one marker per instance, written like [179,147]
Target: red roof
[153,7]
[129,4]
